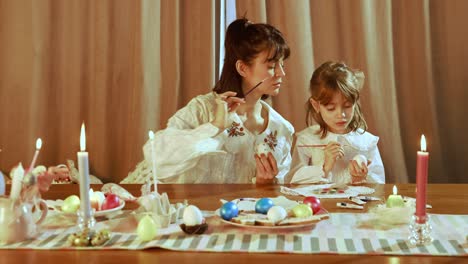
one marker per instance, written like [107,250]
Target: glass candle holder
[86,220]
[420,231]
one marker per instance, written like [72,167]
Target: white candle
[83,167]
[17,182]
[153,159]
[36,154]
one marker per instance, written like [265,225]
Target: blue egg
[263,205]
[229,210]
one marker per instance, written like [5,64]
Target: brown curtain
[124,67]
[413,56]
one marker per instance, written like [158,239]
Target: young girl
[324,152]
[214,138]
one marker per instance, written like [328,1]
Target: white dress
[191,149]
[307,164]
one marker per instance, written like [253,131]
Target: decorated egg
[313,202]
[112,201]
[96,199]
[229,210]
[71,204]
[147,228]
[263,205]
[192,216]
[302,210]
[276,213]
[360,159]
[262,148]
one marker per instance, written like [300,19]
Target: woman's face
[260,69]
[337,114]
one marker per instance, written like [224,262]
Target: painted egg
[262,149]
[192,216]
[147,228]
[302,210]
[360,159]
[277,213]
[313,202]
[71,204]
[229,210]
[263,205]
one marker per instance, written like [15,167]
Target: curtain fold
[124,67]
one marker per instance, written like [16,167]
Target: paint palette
[330,190]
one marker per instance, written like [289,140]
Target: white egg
[360,159]
[262,149]
[192,216]
[276,213]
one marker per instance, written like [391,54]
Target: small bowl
[196,229]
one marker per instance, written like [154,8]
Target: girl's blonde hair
[327,80]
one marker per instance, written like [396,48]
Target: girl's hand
[267,168]
[332,152]
[226,103]
[358,172]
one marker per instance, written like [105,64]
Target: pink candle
[421,181]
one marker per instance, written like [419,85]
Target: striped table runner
[341,234]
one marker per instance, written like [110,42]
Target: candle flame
[395,190]
[423,143]
[151,134]
[83,138]
[38,143]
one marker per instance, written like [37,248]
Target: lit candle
[36,154]
[395,200]
[153,159]
[83,167]
[422,163]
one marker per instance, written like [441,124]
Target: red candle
[421,181]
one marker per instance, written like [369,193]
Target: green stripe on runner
[229,241]
[195,242]
[129,240]
[423,249]
[280,242]
[350,245]
[403,245]
[457,247]
[47,240]
[332,245]
[143,244]
[385,245]
[439,247]
[112,240]
[367,245]
[297,243]
[178,241]
[246,242]
[61,241]
[212,241]
[263,242]
[314,244]
[26,242]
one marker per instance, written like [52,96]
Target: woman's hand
[332,152]
[53,173]
[267,168]
[358,172]
[225,103]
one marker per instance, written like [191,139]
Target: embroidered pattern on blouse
[271,140]
[235,130]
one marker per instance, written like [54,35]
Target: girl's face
[260,69]
[337,114]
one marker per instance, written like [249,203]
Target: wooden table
[445,199]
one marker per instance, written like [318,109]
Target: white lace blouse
[307,164]
[191,149]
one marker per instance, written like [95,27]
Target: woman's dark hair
[244,41]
